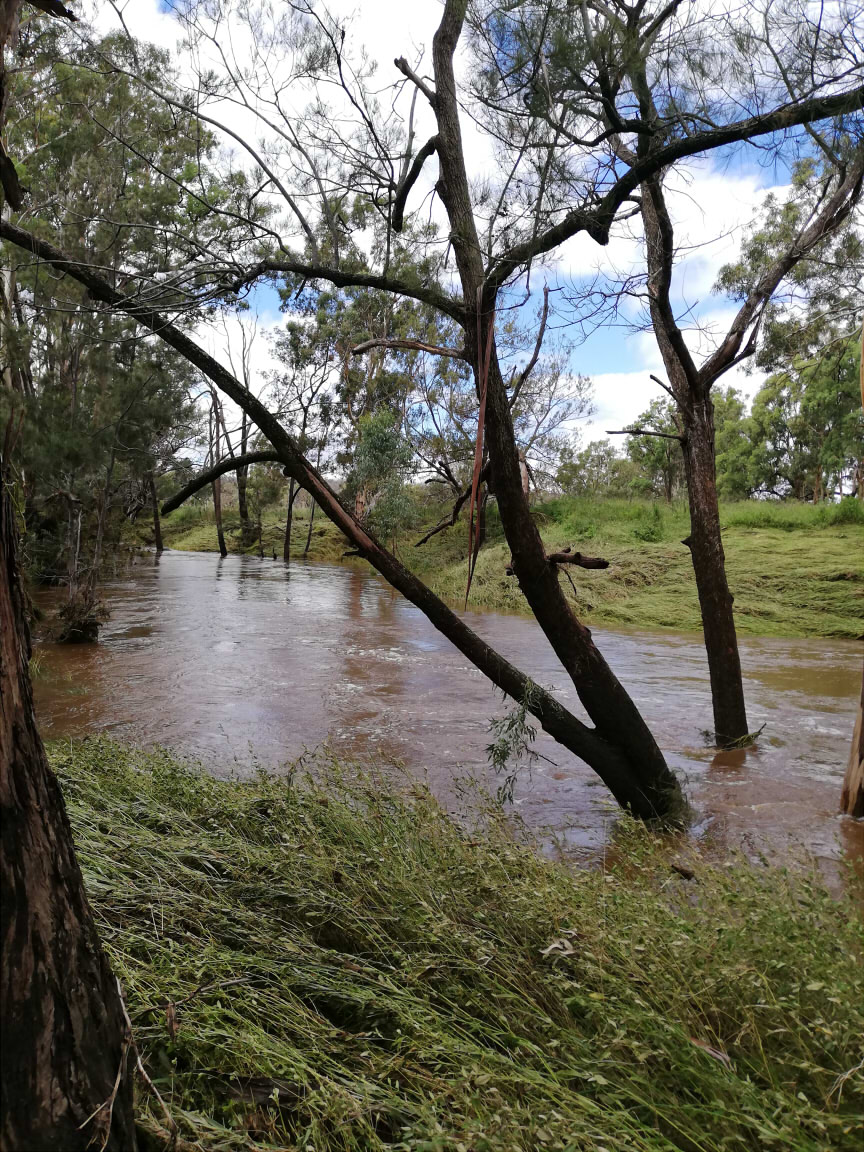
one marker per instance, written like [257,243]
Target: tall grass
[331,963]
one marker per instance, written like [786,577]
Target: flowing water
[243,661]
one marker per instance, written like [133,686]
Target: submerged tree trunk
[243,506]
[852,798]
[65,1082]
[157,523]
[286,543]
[709,568]
[309,533]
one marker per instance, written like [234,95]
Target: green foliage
[375,975]
[807,427]
[511,750]
[659,457]
[795,569]
[383,463]
[651,530]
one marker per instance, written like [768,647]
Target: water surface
[243,661]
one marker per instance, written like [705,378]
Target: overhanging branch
[229,464]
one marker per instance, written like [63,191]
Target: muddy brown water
[243,662]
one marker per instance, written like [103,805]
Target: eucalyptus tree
[633,77]
[65,1072]
[494,231]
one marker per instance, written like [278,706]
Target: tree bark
[309,533]
[286,545]
[216,486]
[157,523]
[63,1042]
[852,797]
[709,569]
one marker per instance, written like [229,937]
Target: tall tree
[65,1077]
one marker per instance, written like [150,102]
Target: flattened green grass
[794,570]
[350,969]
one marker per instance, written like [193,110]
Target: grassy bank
[333,966]
[795,570]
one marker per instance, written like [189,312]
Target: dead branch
[568,556]
[450,520]
[529,367]
[409,346]
[397,218]
[645,432]
[406,70]
[229,464]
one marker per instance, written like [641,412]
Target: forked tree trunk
[157,523]
[63,1041]
[709,568]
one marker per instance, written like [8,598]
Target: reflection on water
[242,660]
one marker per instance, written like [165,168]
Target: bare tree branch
[227,464]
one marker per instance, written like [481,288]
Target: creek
[243,662]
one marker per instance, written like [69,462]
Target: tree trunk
[309,533]
[243,506]
[286,544]
[217,511]
[157,523]
[709,568]
[63,1041]
[852,798]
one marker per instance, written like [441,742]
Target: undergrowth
[329,963]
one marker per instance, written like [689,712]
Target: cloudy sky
[712,202]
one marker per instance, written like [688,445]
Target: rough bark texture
[691,389]
[692,394]
[63,1036]
[616,718]
[709,569]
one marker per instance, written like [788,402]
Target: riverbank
[795,570]
[338,965]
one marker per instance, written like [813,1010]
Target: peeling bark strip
[62,1043]
[627,760]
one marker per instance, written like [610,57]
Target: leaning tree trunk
[709,568]
[65,1081]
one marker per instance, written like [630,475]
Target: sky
[712,202]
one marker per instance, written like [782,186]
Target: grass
[332,963]
[794,569]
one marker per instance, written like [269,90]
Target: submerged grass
[329,963]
